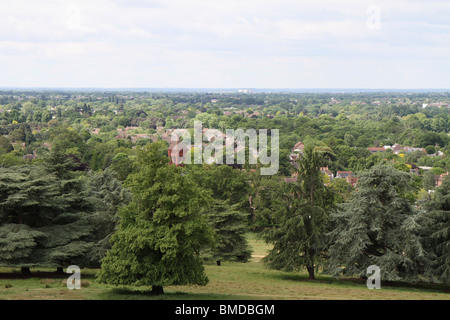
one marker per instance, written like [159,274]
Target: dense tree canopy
[377,226]
[162,230]
[97,163]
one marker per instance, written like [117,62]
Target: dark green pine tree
[299,237]
[107,195]
[228,214]
[435,234]
[162,230]
[41,222]
[377,226]
[230,224]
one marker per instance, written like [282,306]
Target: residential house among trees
[175,156]
[344,174]
[327,172]
[296,153]
[439,179]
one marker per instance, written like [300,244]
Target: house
[175,155]
[352,180]
[439,179]
[47,145]
[293,159]
[396,148]
[376,149]
[298,147]
[136,137]
[327,172]
[411,149]
[344,174]
[30,156]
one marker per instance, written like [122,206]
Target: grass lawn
[237,281]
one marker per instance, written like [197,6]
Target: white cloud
[204,43]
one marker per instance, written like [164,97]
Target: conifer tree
[42,222]
[107,195]
[230,224]
[227,214]
[435,233]
[299,238]
[377,226]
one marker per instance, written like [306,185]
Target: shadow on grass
[41,275]
[358,282]
[124,293]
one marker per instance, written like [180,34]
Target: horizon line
[260,89]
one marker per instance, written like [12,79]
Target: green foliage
[435,234]
[5,145]
[162,230]
[229,222]
[377,226]
[107,195]
[299,238]
[43,219]
[347,125]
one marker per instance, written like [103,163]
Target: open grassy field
[236,281]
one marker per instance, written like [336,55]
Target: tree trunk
[311,272]
[157,290]
[26,270]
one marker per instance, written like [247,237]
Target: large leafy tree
[377,226]
[162,230]
[5,145]
[299,239]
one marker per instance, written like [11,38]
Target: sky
[390,44]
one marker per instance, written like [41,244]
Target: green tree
[107,195]
[42,221]
[230,225]
[435,234]
[122,165]
[430,149]
[377,226]
[37,116]
[5,145]
[162,230]
[299,239]
[46,116]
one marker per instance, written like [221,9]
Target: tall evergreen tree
[42,223]
[227,215]
[230,225]
[107,195]
[299,238]
[435,233]
[162,230]
[377,226]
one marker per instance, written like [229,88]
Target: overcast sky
[393,44]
